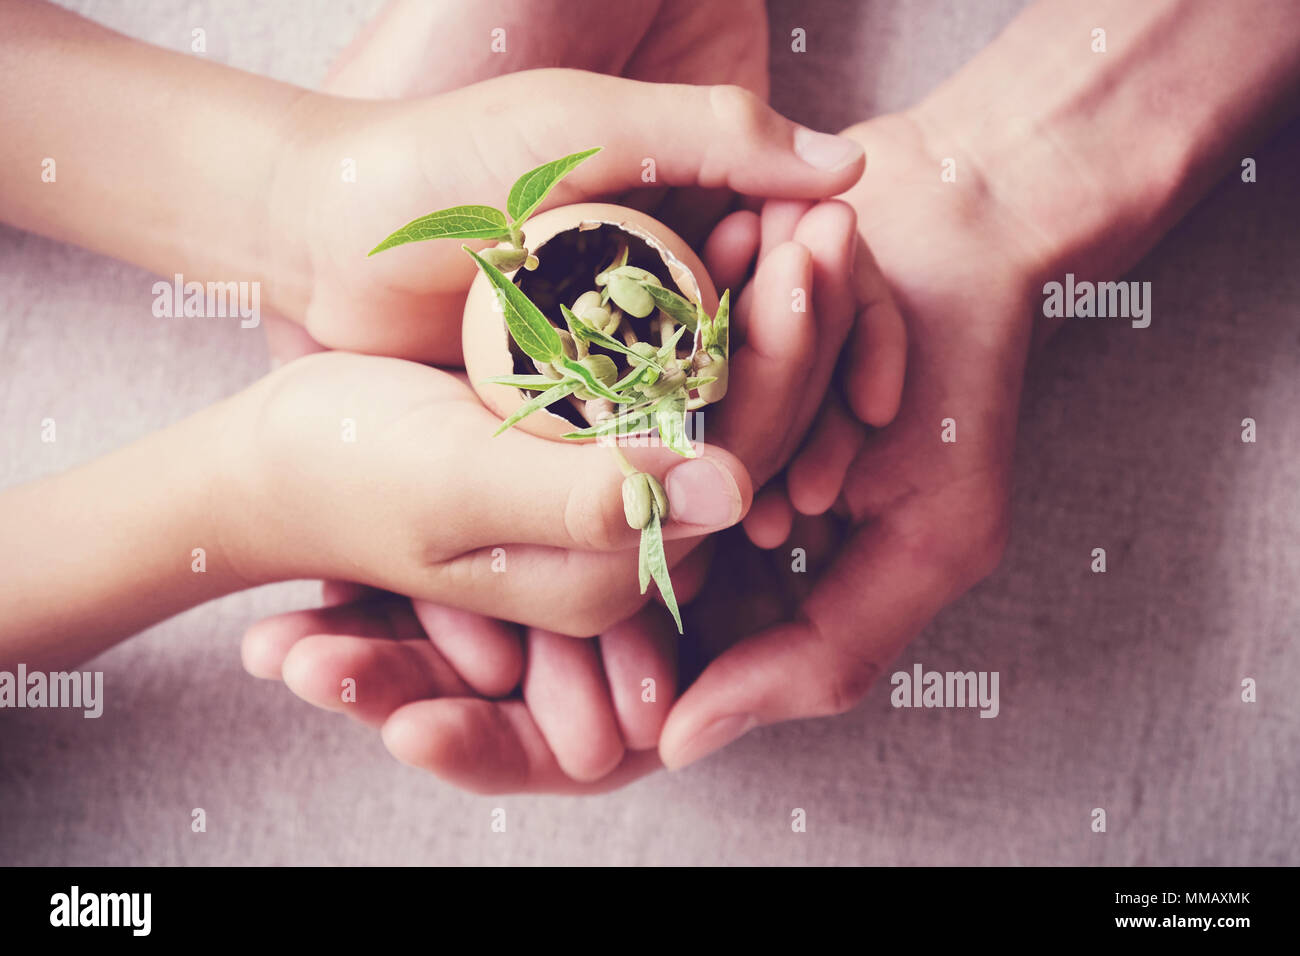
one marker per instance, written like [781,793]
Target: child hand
[439,682]
[386,472]
[413,156]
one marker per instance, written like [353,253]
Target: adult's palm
[923,519]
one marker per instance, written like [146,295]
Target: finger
[286,340]
[368,679]
[819,537]
[816,476]
[564,688]
[575,593]
[768,370]
[267,643]
[640,663]
[877,353]
[487,654]
[779,220]
[829,232]
[348,592]
[710,136]
[730,249]
[879,592]
[768,523]
[492,747]
[524,489]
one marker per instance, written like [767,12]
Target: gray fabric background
[1118,691]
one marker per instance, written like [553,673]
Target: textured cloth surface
[1118,690]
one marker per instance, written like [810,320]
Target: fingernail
[702,492]
[715,736]
[823,150]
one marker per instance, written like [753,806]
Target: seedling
[578,354]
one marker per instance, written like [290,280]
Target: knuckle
[849,675]
[589,521]
[736,107]
[964,545]
[847,685]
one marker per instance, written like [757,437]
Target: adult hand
[925,518]
[422,47]
[584,714]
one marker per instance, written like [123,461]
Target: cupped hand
[924,518]
[584,715]
[358,170]
[387,472]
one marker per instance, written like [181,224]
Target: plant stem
[624,465]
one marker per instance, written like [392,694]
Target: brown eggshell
[484,338]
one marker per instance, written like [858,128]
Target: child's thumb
[568,495]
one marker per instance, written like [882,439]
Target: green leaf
[629,423]
[669,350]
[643,558]
[670,416]
[654,564]
[694,383]
[459,222]
[718,331]
[639,370]
[576,372]
[536,383]
[584,331]
[531,330]
[532,188]
[536,403]
[577,328]
[680,310]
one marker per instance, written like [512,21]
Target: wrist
[293,188]
[1098,151]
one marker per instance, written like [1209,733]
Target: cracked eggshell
[485,341]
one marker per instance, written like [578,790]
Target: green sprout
[579,360]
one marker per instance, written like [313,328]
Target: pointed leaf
[536,403]
[654,562]
[584,331]
[460,222]
[693,383]
[680,310]
[531,330]
[639,370]
[669,350]
[718,331]
[577,328]
[670,416]
[536,383]
[643,560]
[532,188]
[578,373]
[627,424]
